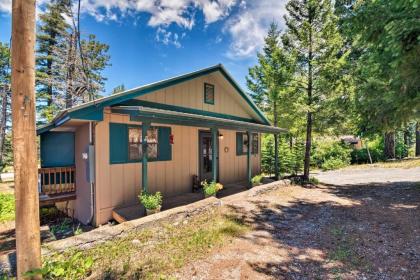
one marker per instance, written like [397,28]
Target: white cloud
[168,38]
[249,26]
[6,6]
[246,23]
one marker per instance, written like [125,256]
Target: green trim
[204,94]
[214,151]
[118,143]
[144,180]
[181,119]
[136,102]
[248,158]
[93,110]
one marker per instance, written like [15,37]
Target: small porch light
[220,136]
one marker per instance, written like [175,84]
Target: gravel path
[362,224]
[353,176]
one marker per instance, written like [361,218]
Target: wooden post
[28,247]
[144,179]
[248,159]
[214,152]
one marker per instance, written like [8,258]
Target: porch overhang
[147,114]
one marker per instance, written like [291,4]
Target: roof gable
[93,110]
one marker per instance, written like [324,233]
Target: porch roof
[142,113]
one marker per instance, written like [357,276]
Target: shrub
[256,180]
[151,201]
[212,188]
[59,267]
[376,150]
[7,207]
[330,154]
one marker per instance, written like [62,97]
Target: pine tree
[69,68]
[269,79]
[52,29]
[312,33]
[5,94]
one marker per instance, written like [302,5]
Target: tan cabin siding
[233,168]
[120,184]
[190,94]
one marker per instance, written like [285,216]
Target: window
[125,143]
[245,143]
[254,143]
[208,93]
[135,149]
[242,143]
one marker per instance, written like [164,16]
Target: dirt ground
[337,230]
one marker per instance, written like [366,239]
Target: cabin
[166,136]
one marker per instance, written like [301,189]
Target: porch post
[248,158]
[145,126]
[214,139]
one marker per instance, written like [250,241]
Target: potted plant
[256,180]
[210,189]
[152,202]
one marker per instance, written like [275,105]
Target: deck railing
[57,180]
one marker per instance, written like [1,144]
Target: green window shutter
[164,145]
[239,143]
[118,143]
[255,143]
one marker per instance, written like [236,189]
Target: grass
[7,207]
[157,252]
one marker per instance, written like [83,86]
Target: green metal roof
[93,110]
[142,113]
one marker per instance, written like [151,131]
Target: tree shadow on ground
[374,235]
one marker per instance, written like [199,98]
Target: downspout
[91,172]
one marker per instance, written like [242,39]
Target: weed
[163,248]
[7,207]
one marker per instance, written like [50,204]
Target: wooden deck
[132,212]
[46,199]
[57,184]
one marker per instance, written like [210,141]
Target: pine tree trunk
[71,57]
[389,147]
[276,144]
[308,145]
[406,142]
[3,124]
[418,139]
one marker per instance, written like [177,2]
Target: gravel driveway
[360,224]
[369,175]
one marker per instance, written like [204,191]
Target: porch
[56,184]
[132,212]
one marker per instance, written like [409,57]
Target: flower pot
[207,196]
[152,211]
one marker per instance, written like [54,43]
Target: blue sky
[154,40]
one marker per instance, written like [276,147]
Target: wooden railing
[57,180]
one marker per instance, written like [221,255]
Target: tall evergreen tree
[69,68]
[52,29]
[5,94]
[312,33]
[269,79]
[386,37]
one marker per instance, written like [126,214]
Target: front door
[205,159]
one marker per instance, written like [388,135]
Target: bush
[330,154]
[75,267]
[376,150]
[256,180]
[151,201]
[7,207]
[290,156]
[212,188]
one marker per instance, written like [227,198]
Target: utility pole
[28,247]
